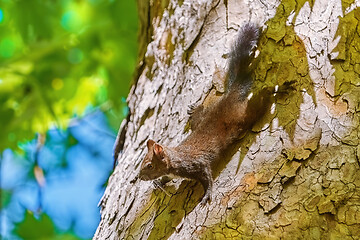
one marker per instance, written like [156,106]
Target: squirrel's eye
[150,166]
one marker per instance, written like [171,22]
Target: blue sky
[76,164]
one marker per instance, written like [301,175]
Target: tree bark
[295,175]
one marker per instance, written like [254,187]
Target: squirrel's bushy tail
[240,58]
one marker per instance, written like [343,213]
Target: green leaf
[62,57]
[35,228]
[5,198]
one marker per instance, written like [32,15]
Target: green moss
[347,63]
[169,212]
[283,59]
[158,7]
[170,47]
[346,4]
[325,212]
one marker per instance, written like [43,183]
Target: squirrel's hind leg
[207,182]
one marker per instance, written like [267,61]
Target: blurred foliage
[60,57]
[51,190]
[5,198]
[25,228]
[40,228]
[63,65]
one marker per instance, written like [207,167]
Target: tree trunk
[295,175]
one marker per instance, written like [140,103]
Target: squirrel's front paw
[191,108]
[195,107]
[159,183]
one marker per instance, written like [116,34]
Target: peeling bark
[296,174]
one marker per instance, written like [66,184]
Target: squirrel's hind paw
[206,199]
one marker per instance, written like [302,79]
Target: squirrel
[217,127]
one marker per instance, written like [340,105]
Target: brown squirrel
[217,127]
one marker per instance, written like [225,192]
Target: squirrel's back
[219,125]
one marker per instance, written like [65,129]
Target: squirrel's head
[155,163]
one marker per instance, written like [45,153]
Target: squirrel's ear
[150,143]
[158,150]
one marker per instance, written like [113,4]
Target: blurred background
[65,72]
